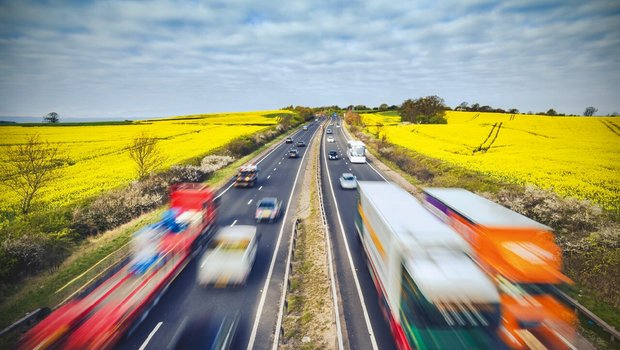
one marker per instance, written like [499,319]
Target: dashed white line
[260,188]
[250,201]
[268,177]
[233,224]
[274,169]
[175,337]
[148,339]
[279,163]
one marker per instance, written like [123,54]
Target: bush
[23,255]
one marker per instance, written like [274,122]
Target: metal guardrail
[580,309]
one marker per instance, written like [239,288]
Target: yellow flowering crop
[96,157]
[574,156]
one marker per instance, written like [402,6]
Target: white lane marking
[258,162]
[148,339]
[360,294]
[250,201]
[274,169]
[260,188]
[268,177]
[234,222]
[280,162]
[350,169]
[273,263]
[175,337]
[276,339]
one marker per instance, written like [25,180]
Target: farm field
[96,157]
[573,156]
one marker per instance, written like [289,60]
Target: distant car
[305,127]
[293,153]
[229,256]
[329,131]
[337,125]
[332,155]
[330,124]
[268,209]
[288,140]
[348,181]
[300,144]
[330,139]
[207,331]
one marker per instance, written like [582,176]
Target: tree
[144,151]
[590,111]
[513,111]
[383,107]
[475,107]
[424,110]
[461,107]
[27,168]
[552,112]
[52,117]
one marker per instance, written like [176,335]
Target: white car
[305,127]
[330,139]
[348,181]
[229,257]
[267,209]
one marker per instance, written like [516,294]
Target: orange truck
[520,254]
[98,319]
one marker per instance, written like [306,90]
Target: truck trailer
[98,319]
[434,296]
[521,256]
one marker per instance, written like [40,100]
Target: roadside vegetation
[588,231]
[42,251]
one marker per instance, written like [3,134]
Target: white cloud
[166,58]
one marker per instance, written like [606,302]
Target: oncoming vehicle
[229,256]
[332,155]
[330,139]
[300,144]
[247,176]
[348,181]
[329,131]
[267,209]
[432,294]
[356,151]
[289,140]
[293,153]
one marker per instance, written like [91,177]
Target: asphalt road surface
[364,322]
[257,303]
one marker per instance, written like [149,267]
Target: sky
[142,59]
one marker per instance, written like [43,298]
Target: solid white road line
[360,294]
[276,339]
[148,339]
[263,297]
[233,224]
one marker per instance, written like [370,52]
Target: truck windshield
[246,173]
[358,151]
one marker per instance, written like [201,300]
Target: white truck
[433,294]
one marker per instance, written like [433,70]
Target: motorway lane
[355,317]
[185,300]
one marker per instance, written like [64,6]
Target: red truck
[98,319]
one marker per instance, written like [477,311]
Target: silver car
[348,181]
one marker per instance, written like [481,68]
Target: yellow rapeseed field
[97,160]
[573,156]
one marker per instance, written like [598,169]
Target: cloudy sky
[130,59]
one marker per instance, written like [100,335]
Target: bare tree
[28,167]
[52,117]
[590,111]
[144,151]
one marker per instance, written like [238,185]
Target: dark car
[293,153]
[288,140]
[332,155]
[329,131]
[300,144]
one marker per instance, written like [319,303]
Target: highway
[364,323]
[258,302]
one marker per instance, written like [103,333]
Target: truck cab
[247,176]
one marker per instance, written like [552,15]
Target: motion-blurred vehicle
[208,331]
[300,144]
[329,131]
[98,319]
[267,209]
[523,258]
[348,181]
[432,294]
[229,257]
[289,140]
[332,155]
[247,176]
[293,153]
[330,139]
[356,151]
